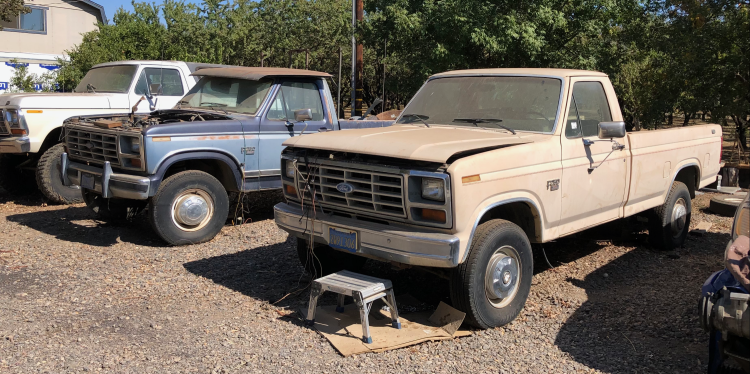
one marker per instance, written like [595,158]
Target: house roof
[98,7]
[256,73]
[563,73]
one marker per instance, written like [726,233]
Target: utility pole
[354,58]
[385,53]
[339,112]
[360,62]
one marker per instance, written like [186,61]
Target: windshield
[227,94]
[107,79]
[515,103]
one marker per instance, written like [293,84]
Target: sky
[111,6]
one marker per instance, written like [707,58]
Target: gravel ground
[80,295]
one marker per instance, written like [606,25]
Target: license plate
[342,239]
[87,181]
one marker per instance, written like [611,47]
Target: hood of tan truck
[435,144]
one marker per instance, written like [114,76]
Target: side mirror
[302,115]
[155,89]
[609,130]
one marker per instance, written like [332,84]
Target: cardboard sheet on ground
[344,330]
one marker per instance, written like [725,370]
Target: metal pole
[360,62]
[307,58]
[354,58]
[262,57]
[339,112]
[385,53]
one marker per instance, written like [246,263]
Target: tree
[10,9]
[21,81]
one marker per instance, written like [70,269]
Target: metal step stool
[364,289]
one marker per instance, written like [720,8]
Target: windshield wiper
[90,88]
[477,121]
[420,117]
[211,105]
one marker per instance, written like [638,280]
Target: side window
[588,107]
[171,82]
[295,96]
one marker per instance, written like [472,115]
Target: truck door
[278,124]
[172,88]
[593,189]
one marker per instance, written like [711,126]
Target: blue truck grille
[92,146]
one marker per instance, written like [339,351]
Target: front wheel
[669,225]
[49,181]
[190,207]
[492,285]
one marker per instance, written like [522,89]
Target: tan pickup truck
[480,165]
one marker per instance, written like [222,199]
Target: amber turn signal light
[432,215]
[290,190]
[471,178]
[18,131]
[136,163]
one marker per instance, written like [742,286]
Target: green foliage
[21,80]
[10,9]
[663,56]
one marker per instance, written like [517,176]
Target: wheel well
[51,140]
[689,176]
[217,168]
[522,214]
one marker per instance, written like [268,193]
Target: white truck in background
[31,125]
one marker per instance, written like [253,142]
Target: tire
[670,222]
[111,210]
[49,181]
[326,260]
[495,246]
[189,189]
[725,205]
[16,181]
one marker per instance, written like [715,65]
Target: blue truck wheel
[190,207]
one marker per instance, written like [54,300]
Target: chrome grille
[373,192]
[92,145]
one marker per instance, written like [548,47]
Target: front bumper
[383,242]
[106,182]
[15,145]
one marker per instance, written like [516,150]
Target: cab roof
[562,73]
[256,73]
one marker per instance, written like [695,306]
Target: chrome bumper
[15,145]
[106,183]
[383,242]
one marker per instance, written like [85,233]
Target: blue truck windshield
[227,94]
[518,103]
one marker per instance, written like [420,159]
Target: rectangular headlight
[433,189]
[11,117]
[289,169]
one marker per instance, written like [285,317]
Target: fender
[682,165]
[158,176]
[488,205]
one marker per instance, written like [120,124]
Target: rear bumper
[383,242]
[106,182]
[15,145]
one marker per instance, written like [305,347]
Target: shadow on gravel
[641,310]
[77,225]
[33,199]
[272,273]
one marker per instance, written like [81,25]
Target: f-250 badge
[553,185]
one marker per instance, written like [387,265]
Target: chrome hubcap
[679,217]
[501,276]
[192,210]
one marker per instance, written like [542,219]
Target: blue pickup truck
[224,136]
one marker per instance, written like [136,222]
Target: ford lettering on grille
[344,187]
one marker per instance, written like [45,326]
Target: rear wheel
[492,285]
[321,260]
[669,226]
[190,207]
[14,178]
[49,181]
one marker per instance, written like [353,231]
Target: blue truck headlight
[289,169]
[433,189]
[135,145]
